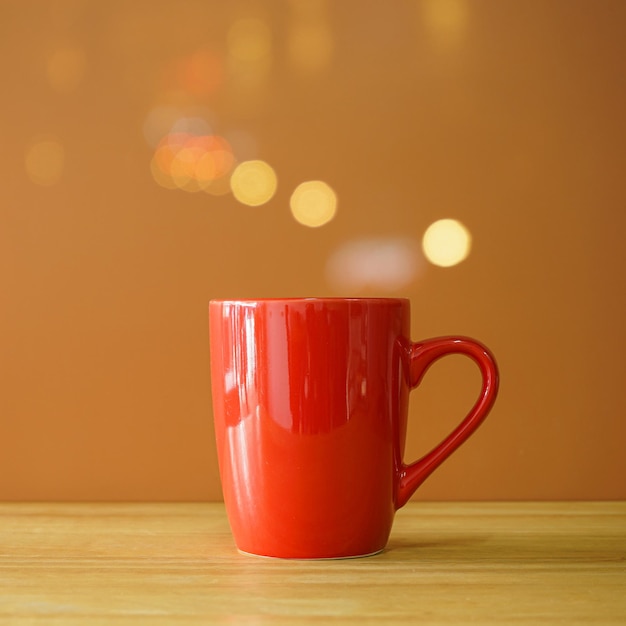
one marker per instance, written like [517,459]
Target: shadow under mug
[310,399]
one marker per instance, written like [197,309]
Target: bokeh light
[193,162]
[379,263]
[198,74]
[446,19]
[45,161]
[163,119]
[313,203]
[253,182]
[310,45]
[65,68]
[249,39]
[309,38]
[446,242]
[249,51]
[191,124]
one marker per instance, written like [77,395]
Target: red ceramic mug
[310,400]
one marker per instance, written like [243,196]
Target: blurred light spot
[45,161]
[164,119]
[160,173]
[253,182]
[447,19]
[192,125]
[446,243]
[385,263]
[65,68]
[191,162]
[310,46]
[313,203]
[249,39]
[249,52]
[200,73]
[310,41]
[183,168]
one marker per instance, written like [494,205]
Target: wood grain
[522,563]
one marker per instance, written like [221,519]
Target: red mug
[310,399]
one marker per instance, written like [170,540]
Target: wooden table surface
[496,563]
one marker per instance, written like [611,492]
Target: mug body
[310,408]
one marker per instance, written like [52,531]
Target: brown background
[508,116]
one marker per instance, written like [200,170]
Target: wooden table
[116,564]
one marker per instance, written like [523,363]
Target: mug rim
[314,299]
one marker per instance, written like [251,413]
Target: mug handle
[419,357]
